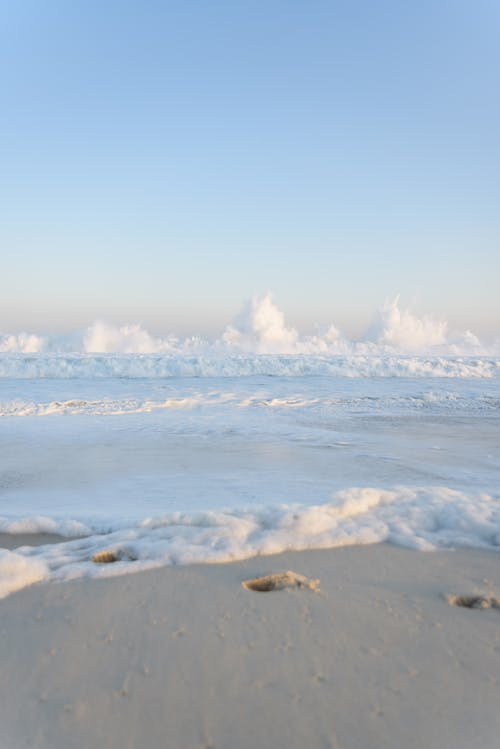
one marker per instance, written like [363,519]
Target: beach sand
[187,658]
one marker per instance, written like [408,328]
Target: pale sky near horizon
[163,161]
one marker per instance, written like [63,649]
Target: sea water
[218,453]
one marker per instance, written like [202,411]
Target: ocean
[213,453]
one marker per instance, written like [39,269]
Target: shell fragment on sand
[474,601]
[116,555]
[280,581]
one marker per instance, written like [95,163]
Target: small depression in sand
[280,581]
[474,601]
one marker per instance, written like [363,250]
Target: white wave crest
[102,337]
[403,330]
[261,329]
[24,343]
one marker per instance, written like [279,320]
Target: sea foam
[17,571]
[424,518]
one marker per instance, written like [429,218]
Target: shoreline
[186,657]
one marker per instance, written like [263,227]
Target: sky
[161,162]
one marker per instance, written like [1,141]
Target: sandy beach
[186,657]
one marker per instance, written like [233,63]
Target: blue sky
[163,161]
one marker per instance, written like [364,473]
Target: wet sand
[12,541]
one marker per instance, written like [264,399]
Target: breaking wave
[260,328]
[22,343]
[257,342]
[402,329]
[156,366]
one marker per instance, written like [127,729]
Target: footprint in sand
[280,581]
